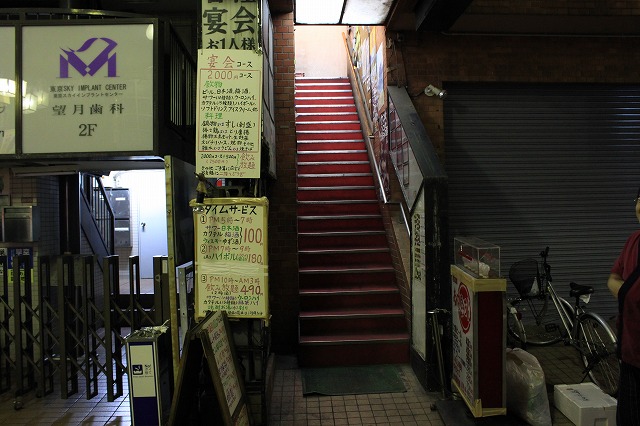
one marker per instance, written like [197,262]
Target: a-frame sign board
[208,349]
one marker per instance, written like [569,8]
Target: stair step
[350,290]
[347,257]
[305,135]
[354,338]
[340,277]
[332,108]
[337,326]
[333,167]
[332,156]
[348,271]
[324,193]
[351,313]
[335,240]
[321,88]
[306,117]
[342,100]
[355,353]
[315,207]
[335,179]
[322,85]
[336,300]
[340,223]
[324,93]
[331,144]
[323,126]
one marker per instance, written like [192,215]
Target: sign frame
[225,274]
[108,77]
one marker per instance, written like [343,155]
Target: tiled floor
[288,405]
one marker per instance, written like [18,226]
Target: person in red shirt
[623,283]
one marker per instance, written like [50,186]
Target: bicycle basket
[525,276]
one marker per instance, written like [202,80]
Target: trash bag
[526,389]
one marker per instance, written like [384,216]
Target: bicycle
[538,316]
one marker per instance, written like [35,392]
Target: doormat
[352,380]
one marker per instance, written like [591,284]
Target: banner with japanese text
[231,257]
[229,113]
[88,88]
[230,24]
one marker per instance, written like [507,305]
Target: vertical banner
[231,257]
[418,280]
[88,88]
[230,24]
[229,113]
[8,90]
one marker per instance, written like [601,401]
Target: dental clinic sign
[88,88]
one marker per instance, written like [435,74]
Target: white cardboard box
[585,404]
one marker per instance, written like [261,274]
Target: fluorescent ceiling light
[366,12]
[330,12]
[318,11]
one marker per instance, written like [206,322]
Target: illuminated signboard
[88,88]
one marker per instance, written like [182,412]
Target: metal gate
[73,330]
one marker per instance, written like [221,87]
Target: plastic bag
[526,389]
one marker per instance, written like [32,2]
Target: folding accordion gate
[71,327]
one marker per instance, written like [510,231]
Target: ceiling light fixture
[342,12]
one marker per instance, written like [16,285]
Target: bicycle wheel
[597,345]
[539,321]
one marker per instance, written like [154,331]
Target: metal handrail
[101,211]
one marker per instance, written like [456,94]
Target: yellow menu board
[231,257]
[229,113]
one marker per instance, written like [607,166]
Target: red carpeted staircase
[350,306]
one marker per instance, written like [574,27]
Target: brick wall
[426,58]
[555,7]
[283,258]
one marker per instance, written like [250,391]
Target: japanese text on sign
[230,24]
[231,257]
[224,361]
[464,362]
[229,113]
[84,85]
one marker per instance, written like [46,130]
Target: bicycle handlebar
[547,267]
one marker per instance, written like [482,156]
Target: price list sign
[231,257]
[229,113]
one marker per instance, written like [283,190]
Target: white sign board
[230,24]
[231,257]
[229,113]
[7,90]
[88,88]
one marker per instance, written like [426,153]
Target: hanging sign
[88,88]
[8,91]
[231,257]
[229,113]
[230,24]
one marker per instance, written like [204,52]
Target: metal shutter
[536,165]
